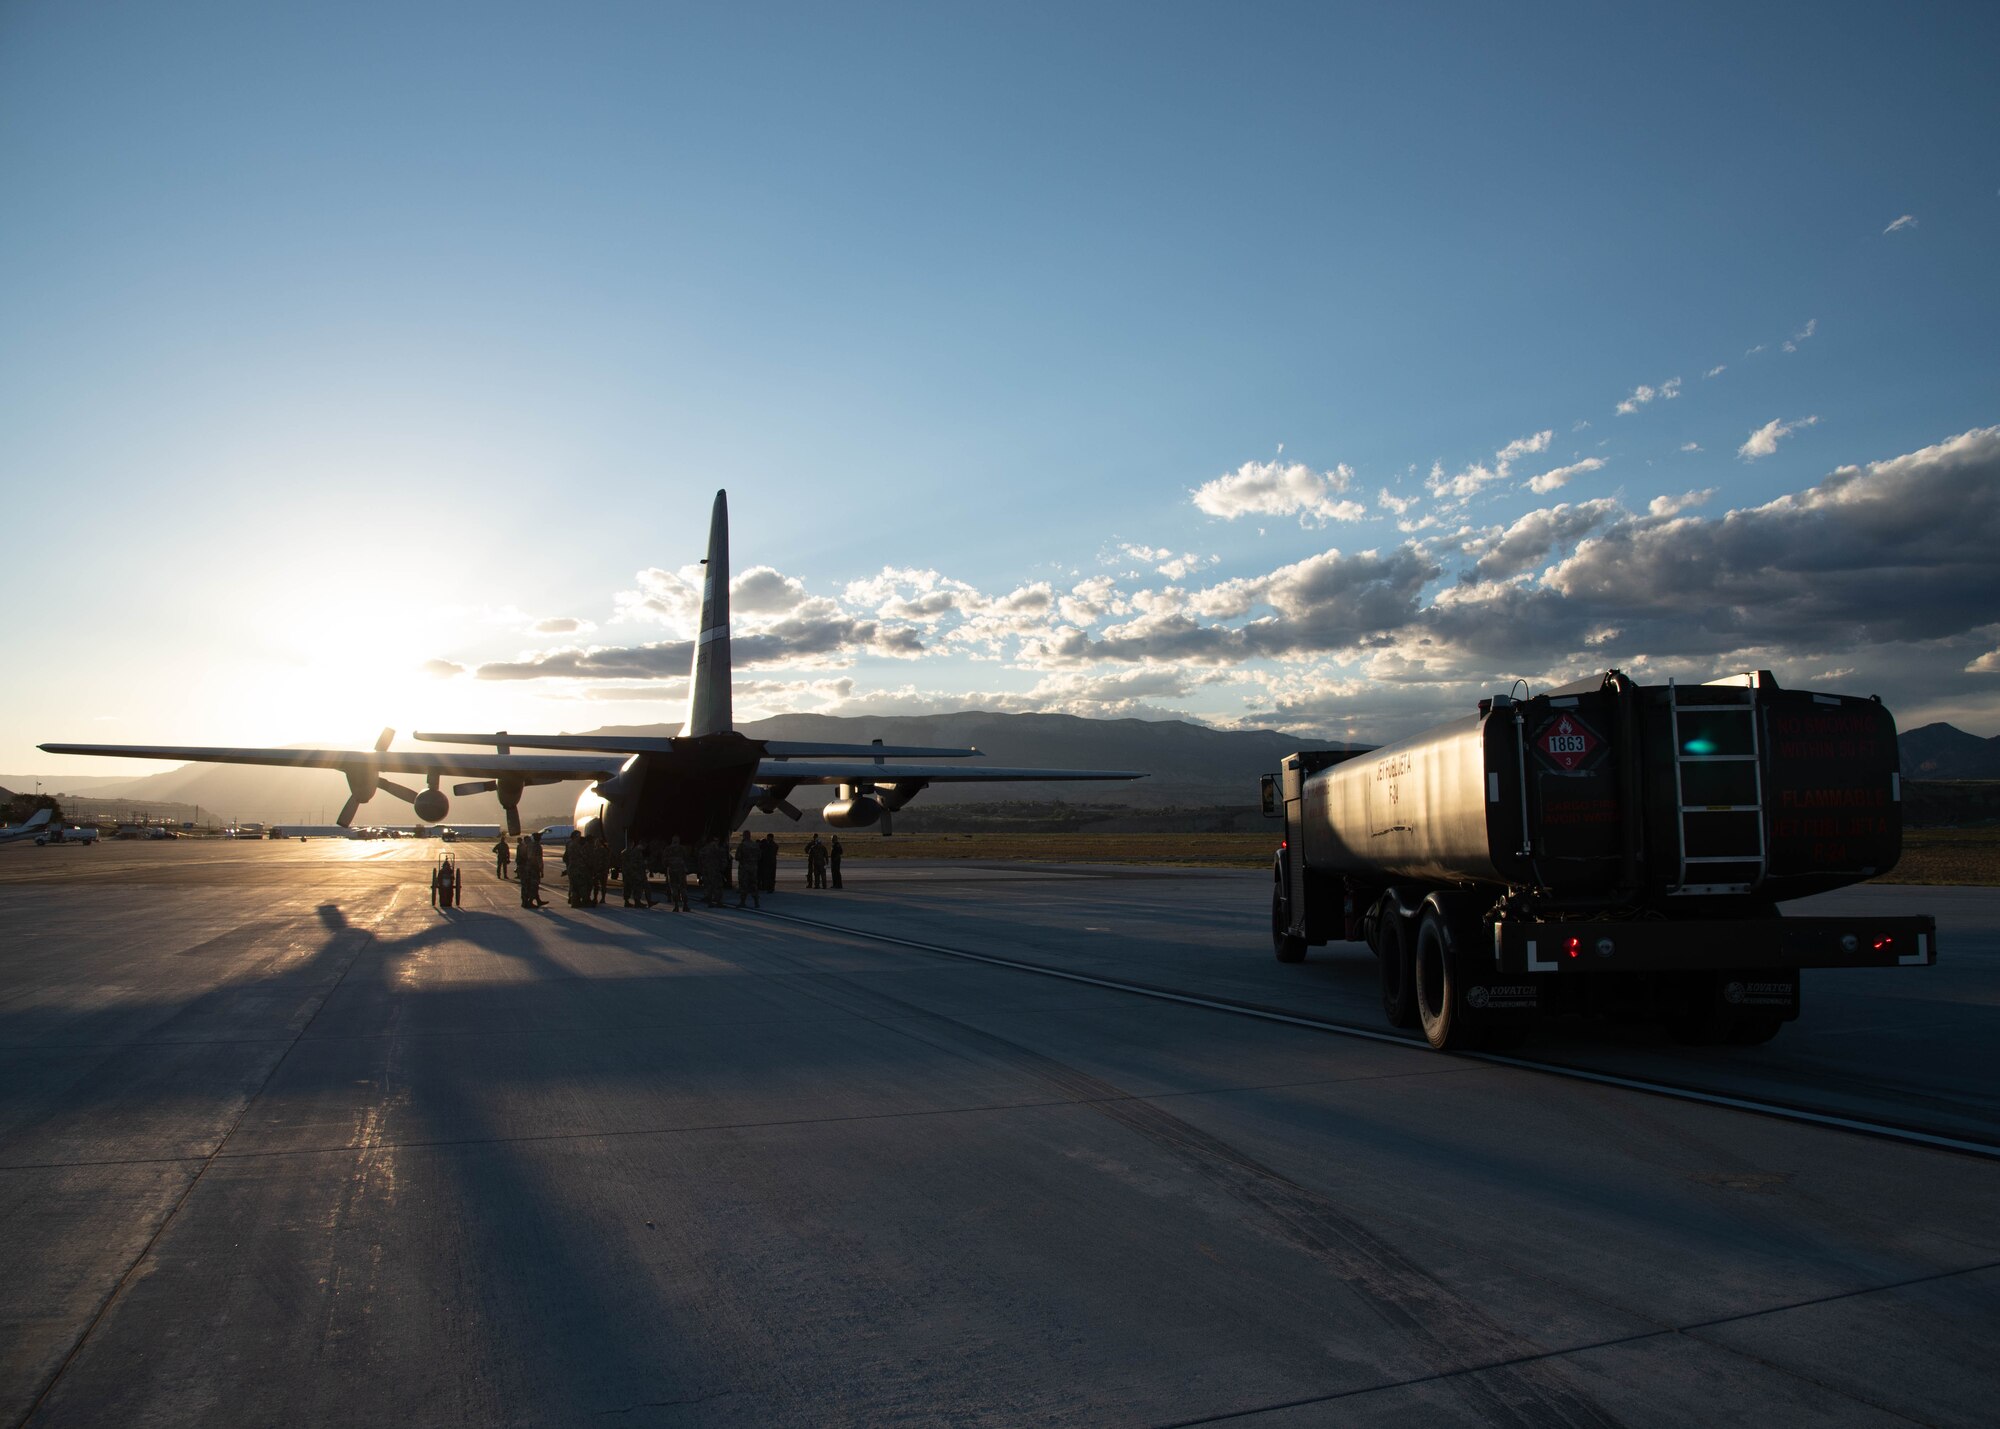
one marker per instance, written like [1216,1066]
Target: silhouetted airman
[677,874]
[748,873]
[632,875]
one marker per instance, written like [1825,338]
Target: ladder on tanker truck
[1718,788]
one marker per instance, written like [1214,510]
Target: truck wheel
[1436,977]
[1399,983]
[1288,948]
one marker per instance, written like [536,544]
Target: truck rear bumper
[1660,945]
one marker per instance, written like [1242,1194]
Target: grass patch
[1184,850]
[1941,856]
[1956,856]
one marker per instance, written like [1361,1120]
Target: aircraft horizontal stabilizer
[795,772]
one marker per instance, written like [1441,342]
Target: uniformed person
[677,874]
[632,875]
[833,859]
[500,855]
[767,864]
[528,867]
[815,863]
[601,865]
[576,869]
[714,872]
[748,871]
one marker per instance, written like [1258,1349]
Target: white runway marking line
[1777,1110]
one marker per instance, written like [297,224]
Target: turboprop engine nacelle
[430,806]
[606,806]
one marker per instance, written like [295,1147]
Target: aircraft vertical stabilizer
[708,686]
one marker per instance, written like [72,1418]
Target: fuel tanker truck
[1607,847]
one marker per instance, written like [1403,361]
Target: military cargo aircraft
[699,784]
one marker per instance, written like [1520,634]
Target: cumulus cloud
[911,594]
[1878,575]
[1560,476]
[1331,601]
[1460,486]
[1674,505]
[1509,551]
[1690,446]
[560,625]
[1764,441]
[1898,550]
[1642,394]
[1792,342]
[1716,371]
[817,633]
[1504,459]
[1269,488]
[1908,220]
[761,591]
[1091,600]
[1395,505]
[443,669]
[670,598]
[1163,560]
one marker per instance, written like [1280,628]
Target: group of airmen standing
[587,863]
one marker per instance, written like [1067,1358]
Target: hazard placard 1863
[1567,742]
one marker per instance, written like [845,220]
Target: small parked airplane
[36,825]
[699,784]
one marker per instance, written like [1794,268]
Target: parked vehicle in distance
[74,834]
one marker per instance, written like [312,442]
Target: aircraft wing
[642,744]
[530,768]
[804,771]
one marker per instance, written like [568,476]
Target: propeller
[509,791]
[776,799]
[362,783]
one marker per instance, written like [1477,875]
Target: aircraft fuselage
[699,790]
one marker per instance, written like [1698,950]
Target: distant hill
[55,781]
[1940,751]
[1185,764]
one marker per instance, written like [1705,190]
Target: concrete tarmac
[280,1143]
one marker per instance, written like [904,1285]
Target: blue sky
[1253,364]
